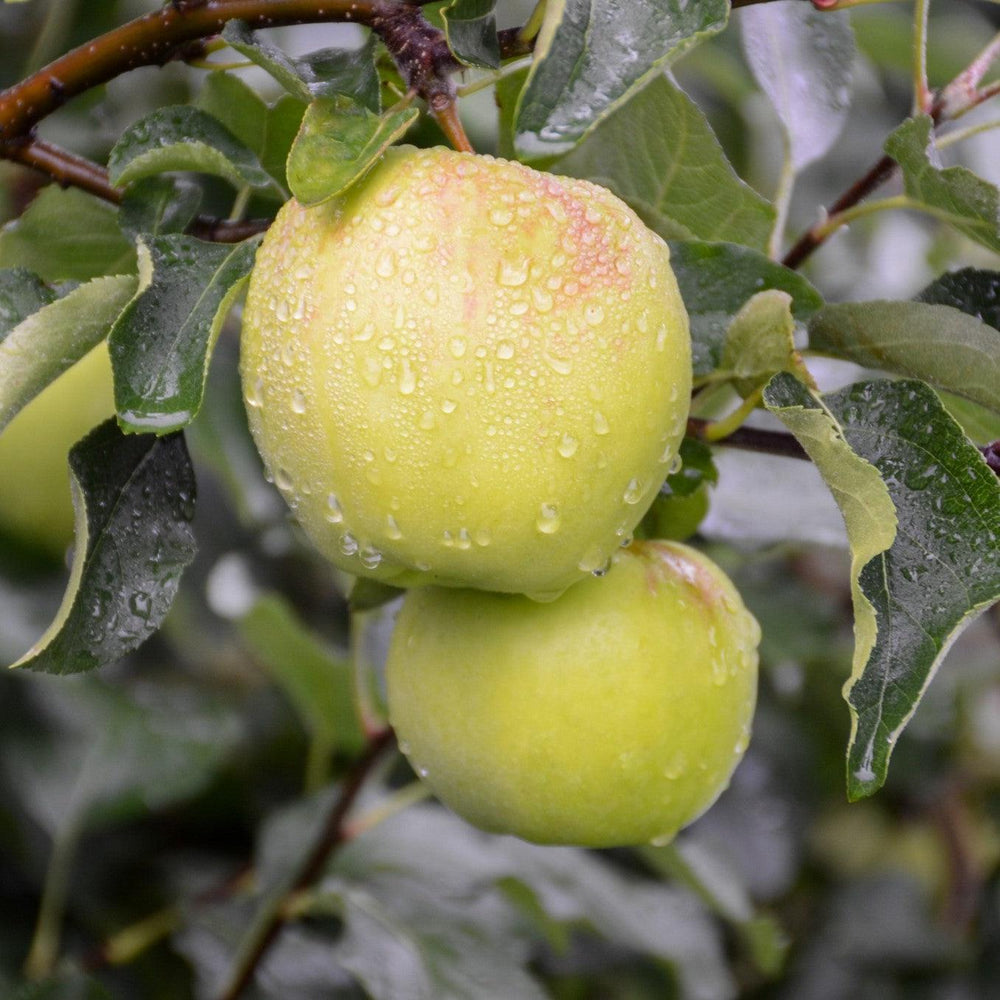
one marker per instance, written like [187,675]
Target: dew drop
[407,379]
[348,544]
[299,401]
[365,333]
[661,337]
[567,446]
[334,512]
[600,423]
[541,298]
[594,314]
[385,266]
[505,350]
[457,346]
[561,366]
[370,557]
[255,393]
[483,537]
[448,406]
[283,312]
[392,529]
[513,275]
[633,492]
[501,216]
[283,480]
[548,519]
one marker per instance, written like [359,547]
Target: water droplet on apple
[392,529]
[298,401]
[633,492]
[601,425]
[568,446]
[334,513]
[548,519]
[513,274]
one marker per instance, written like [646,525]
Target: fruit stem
[723,428]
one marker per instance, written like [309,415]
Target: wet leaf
[760,342]
[956,194]
[21,294]
[158,205]
[44,344]
[324,73]
[338,142]
[914,596]
[67,235]
[659,154]
[802,58]
[184,138]
[972,291]
[592,55]
[937,343]
[471,29]
[716,279]
[697,469]
[134,501]
[161,343]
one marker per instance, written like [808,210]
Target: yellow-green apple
[466,372]
[35,503]
[613,715]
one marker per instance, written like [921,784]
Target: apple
[613,715]
[35,502]
[466,372]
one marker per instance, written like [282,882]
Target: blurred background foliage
[146,812]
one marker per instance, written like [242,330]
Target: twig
[751,439]
[333,835]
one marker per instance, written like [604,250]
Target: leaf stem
[725,426]
[782,200]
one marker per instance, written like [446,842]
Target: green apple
[613,715]
[35,503]
[466,372]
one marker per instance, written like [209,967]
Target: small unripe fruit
[466,372]
[35,502]
[613,715]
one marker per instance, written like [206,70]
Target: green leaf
[980,424]
[324,73]
[134,500]
[592,55]
[161,343]
[184,138]
[268,131]
[508,89]
[338,142]
[716,279]
[67,235]
[941,566]
[659,154]
[956,194]
[471,29]
[69,985]
[158,205]
[43,345]
[21,294]
[697,469]
[802,59]
[974,292]
[937,343]
[760,342]
[317,681]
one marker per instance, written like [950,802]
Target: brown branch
[333,835]
[63,167]
[751,439]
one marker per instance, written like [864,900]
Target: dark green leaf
[471,28]
[324,73]
[67,235]
[337,143]
[591,55]
[45,344]
[716,279]
[941,567]
[184,138]
[937,343]
[68,986]
[21,294]
[158,205]
[317,681]
[508,88]
[134,500]
[659,154]
[974,292]
[802,59]
[161,343]
[955,194]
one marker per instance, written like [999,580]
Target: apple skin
[466,372]
[613,715]
[35,502]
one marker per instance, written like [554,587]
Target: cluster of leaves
[180,738]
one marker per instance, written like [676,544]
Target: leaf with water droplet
[338,141]
[658,153]
[591,55]
[134,501]
[161,343]
[471,29]
[916,588]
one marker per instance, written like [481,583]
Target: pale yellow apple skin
[613,715]
[466,372]
[35,501]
